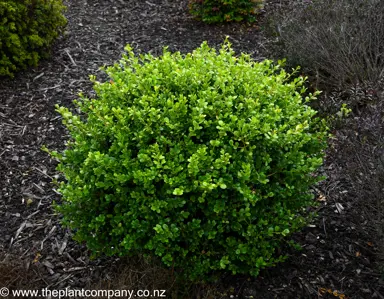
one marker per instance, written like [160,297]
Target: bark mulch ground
[339,256]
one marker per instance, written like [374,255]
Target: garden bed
[340,249]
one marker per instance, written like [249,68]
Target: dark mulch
[340,250]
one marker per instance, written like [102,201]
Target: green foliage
[203,160]
[216,11]
[27,30]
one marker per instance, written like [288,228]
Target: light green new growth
[204,160]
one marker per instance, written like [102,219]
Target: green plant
[203,160]
[215,11]
[27,30]
[344,111]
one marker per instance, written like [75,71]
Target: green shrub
[215,11]
[203,159]
[27,30]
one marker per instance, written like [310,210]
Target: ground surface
[339,252]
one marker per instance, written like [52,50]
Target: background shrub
[338,42]
[27,30]
[203,160]
[215,11]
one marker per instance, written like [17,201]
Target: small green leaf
[223,186]
[285,232]
[178,191]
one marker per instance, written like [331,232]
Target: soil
[340,250]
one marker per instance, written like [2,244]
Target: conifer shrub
[203,160]
[27,30]
[217,11]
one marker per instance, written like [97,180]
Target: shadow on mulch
[15,274]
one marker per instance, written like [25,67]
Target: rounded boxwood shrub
[204,160]
[216,11]
[27,30]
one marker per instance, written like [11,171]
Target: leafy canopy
[203,160]
[28,28]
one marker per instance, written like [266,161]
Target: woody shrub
[203,160]
[217,11]
[338,42]
[27,30]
